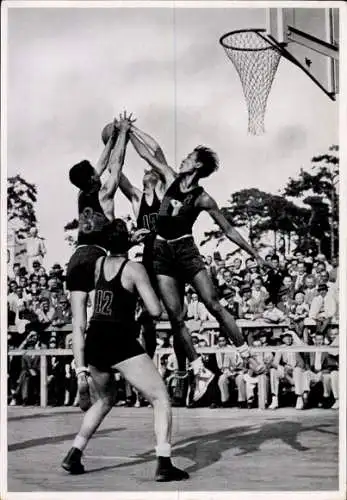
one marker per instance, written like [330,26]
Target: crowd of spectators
[299,294]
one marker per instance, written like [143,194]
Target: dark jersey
[113,303]
[147,219]
[91,218]
[178,212]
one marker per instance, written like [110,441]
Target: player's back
[91,218]
[114,304]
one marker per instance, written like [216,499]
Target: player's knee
[176,317]
[107,402]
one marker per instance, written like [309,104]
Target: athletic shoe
[72,462]
[336,405]
[201,382]
[84,400]
[299,403]
[167,472]
[137,404]
[274,403]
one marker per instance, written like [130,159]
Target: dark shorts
[107,345]
[81,267]
[180,259]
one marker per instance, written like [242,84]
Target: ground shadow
[30,443]
[207,449]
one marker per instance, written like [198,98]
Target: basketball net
[256,62]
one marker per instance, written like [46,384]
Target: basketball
[106,132]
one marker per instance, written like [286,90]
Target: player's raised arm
[132,193]
[108,189]
[145,290]
[105,155]
[207,203]
[163,169]
[150,143]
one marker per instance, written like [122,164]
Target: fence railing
[165,326]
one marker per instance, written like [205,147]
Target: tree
[318,190]
[21,199]
[261,212]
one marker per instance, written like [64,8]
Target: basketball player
[95,209]
[111,343]
[176,256]
[145,206]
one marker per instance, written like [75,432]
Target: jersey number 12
[103,302]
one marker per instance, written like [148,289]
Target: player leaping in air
[176,257]
[95,212]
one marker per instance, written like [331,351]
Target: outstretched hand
[125,121]
[138,236]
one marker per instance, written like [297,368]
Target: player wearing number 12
[111,343]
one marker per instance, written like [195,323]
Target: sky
[71,70]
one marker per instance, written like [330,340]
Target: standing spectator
[237,267]
[274,280]
[334,272]
[36,249]
[287,366]
[35,270]
[299,280]
[45,313]
[12,297]
[16,273]
[29,379]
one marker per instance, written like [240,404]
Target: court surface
[223,450]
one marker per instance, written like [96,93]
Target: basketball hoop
[256,60]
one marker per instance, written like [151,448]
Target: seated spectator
[310,289]
[62,314]
[12,296]
[322,367]
[45,313]
[273,314]
[251,380]
[298,314]
[286,304]
[16,273]
[229,302]
[259,294]
[196,310]
[237,267]
[334,271]
[323,308]
[249,309]
[289,367]
[287,288]
[34,291]
[55,285]
[230,366]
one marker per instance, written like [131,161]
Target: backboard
[309,38]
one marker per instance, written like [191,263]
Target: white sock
[243,350]
[196,365]
[163,450]
[80,442]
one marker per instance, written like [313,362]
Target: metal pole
[43,380]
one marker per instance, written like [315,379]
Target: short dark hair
[117,236]
[209,160]
[80,174]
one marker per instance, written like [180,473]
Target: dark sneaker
[167,472]
[72,462]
